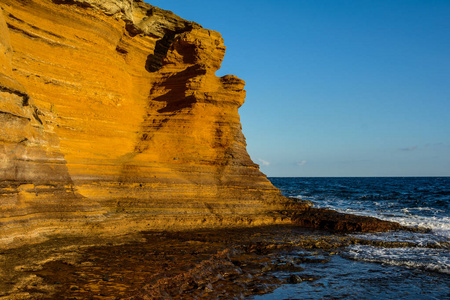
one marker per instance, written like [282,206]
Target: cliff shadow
[155,61]
[176,98]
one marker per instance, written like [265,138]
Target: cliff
[113,120]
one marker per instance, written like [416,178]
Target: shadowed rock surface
[199,264]
[333,221]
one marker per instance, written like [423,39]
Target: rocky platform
[200,264]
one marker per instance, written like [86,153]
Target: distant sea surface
[367,272]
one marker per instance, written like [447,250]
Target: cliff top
[141,17]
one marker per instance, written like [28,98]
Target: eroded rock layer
[111,111]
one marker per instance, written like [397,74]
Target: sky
[335,87]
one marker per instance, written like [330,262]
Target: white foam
[439,225]
[437,260]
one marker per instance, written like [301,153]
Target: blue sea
[419,271]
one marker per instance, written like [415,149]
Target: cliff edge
[113,120]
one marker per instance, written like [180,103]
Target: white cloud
[301,163]
[264,162]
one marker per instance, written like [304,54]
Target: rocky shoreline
[229,263]
[114,123]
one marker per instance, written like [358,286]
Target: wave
[435,260]
[431,218]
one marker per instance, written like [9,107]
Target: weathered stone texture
[111,110]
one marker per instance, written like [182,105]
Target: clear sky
[338,88]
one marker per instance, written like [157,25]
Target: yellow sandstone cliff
[112,119]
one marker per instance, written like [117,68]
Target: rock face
[113,119]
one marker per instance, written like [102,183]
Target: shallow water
[341,278]
[421,271]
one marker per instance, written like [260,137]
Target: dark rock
[294,279]
[333,221]
[313,260]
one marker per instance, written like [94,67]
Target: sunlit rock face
[113,120]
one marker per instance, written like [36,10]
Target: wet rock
[214,264]
[288,267]
[262,289]
[333,221]
[294,279]
[267,268]
[312,260]
[106,278]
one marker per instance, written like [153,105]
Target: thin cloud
[437,145]
[264,162]
[301,163]
[408,149]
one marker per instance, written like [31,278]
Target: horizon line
[394,176]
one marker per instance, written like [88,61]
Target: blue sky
[338,88]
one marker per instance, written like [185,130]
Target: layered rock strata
[36,191]
[112,116]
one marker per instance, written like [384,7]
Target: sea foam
[436,260]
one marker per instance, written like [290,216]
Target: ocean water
[421,271]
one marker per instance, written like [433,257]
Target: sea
[419,271]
